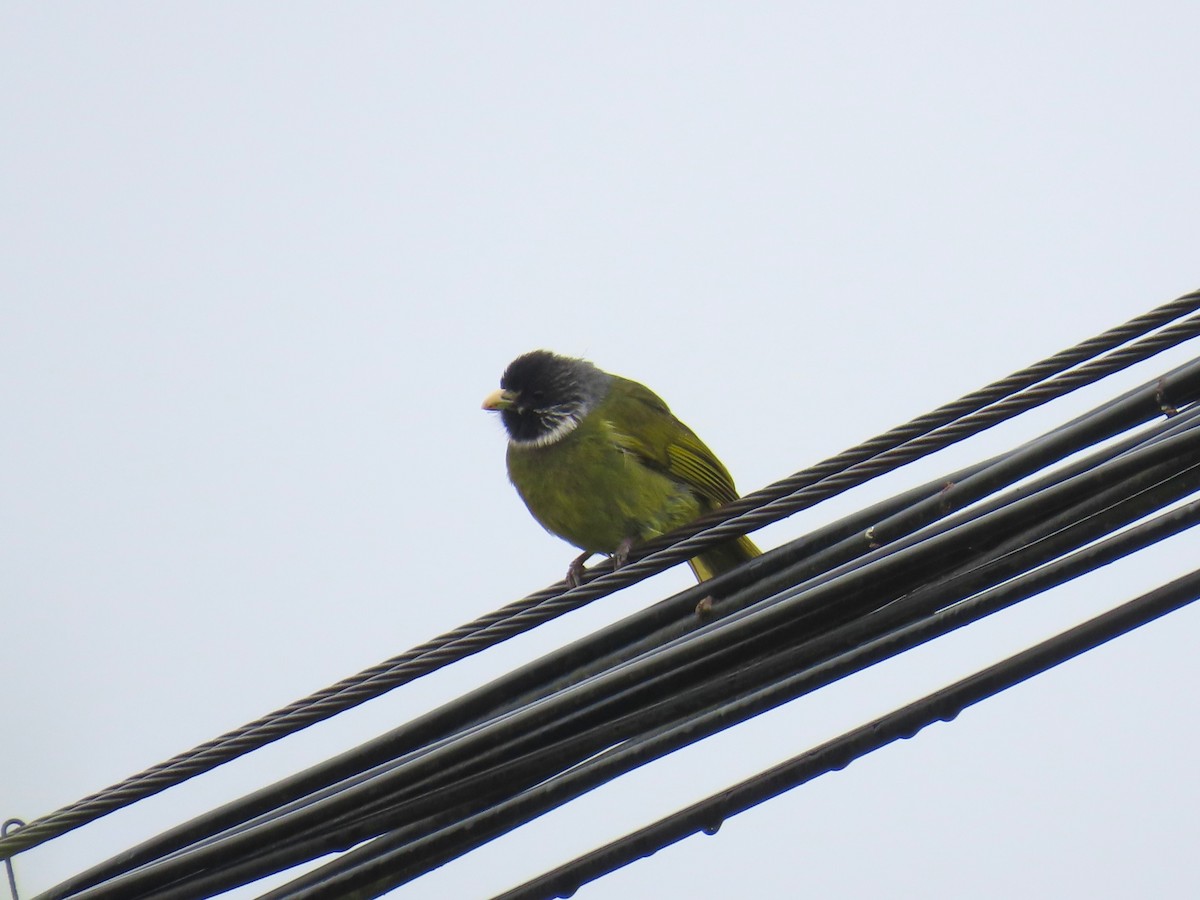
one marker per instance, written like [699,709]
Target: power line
[944,705]
[900,567]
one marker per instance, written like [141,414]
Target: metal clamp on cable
[8,826]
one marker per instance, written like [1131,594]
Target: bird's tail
[723,557]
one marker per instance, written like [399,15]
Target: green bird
[601,462]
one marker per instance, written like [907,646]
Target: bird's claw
[575,569]
[621,556]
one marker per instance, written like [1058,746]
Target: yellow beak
[498,400]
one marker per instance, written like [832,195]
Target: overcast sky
[262,262]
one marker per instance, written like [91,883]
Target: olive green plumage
[601,462]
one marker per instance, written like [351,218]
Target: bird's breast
[592,493]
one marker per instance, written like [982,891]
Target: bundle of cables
[851,594]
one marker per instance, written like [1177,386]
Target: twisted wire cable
[925,434]
[239,856]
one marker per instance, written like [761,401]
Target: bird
[601,462]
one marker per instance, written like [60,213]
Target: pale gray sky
[263,261]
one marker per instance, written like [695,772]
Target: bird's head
[543,396]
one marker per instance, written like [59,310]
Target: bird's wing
[641,424]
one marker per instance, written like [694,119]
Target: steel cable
[750,513]
[1137,466]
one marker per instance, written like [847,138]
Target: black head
[543,396]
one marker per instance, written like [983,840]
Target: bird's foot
[621,556]
[575,569]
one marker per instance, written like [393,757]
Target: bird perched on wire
[601,462]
